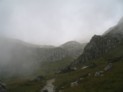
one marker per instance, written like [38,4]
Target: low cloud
[57,21]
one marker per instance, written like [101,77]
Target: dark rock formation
[3,87]
[45,90]
[108,67]
[100,45]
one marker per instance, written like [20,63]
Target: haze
[53,22]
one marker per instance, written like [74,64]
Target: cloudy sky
[57,21]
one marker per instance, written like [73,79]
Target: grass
[47,69]
[25,86]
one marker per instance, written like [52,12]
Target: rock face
[3,87]
[108,67]
[99,45]
[73,84]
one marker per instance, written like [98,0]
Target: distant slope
[21,58]
[74,48]
[16,57]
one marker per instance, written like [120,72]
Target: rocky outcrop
[2,87]
[99,45]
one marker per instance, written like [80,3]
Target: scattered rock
[81,79]
[45,90]
[84,67]
[73,68]
[38,78]
[108,67]
[99,73]
[68,69]
[2,87]
[89,74]
[73,84]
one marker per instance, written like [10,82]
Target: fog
[49,22]
[53,22]
[17,58]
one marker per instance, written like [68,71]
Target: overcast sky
[57,21]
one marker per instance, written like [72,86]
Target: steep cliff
[101,44]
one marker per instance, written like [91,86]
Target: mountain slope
[100,45]
[87,79]
[102,57]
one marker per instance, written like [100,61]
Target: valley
[61,45]
[98,68]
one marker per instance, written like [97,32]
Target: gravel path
[49,87]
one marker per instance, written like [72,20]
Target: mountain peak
[74,48]
[121,21]
[71,43]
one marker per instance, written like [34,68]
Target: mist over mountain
[17,57]
[20,58]
[58,21]
[61,45]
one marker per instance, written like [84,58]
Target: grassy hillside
[47,68]
[110,81]
[24,86]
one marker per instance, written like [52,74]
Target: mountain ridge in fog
[21,58]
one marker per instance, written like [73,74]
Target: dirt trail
[49,86]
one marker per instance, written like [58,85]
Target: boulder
[99,73]
[73,84]
[2,87]
[108,67]
[84,67]
[38,78]
[45,90]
